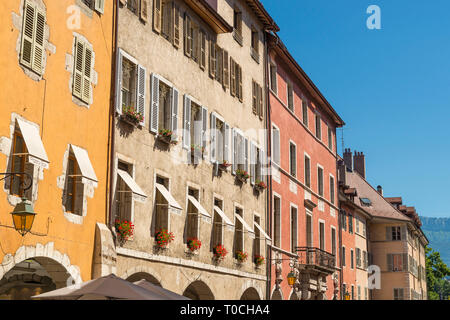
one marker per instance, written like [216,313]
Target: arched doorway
[294,296]
[250,294]
[276,295]
[143,275]
[32,277]
[198,290]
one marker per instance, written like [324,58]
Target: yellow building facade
[54,123]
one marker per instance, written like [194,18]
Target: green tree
[438,287]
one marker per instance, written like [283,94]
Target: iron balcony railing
[315,257]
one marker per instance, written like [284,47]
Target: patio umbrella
[108,287]
[169,295]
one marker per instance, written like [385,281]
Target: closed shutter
[239,70]
[390,263]
[245,152]
[262,164]
[234,157]
[144,10]
[226,143]
[202,50]
[154,114]
[213,138]
[174,108]
[404,233]
[198,128]
[232,78]
[226,70]
[100,5]
[157,15]
[176,25]
[38,50]
[78,69]
[388,234]
[253,154]
[187,122]
[87,73]
[261,108]
[204,126]
[254,98]
[276,145]
[187,36]
[27,35]
[119,82]
[212,64]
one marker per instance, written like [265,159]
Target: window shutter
[176,25]
[234,157]
[254,98]
[232,78]
[403,233]
[140,92]
[213,138]
[211,62]
[87,91]
[226,72]
[276,146]
[27,35]
[390,265]
[204,126]
[252,162]
[405,262]
[187,123]
[388,234]
[262,164]
[157,15]
[187,36]
[174,108]
[78,69]
[100,5]
[143,11]
[202,50]
[245,153]
[154,104]
[260,102]
[38,50]
[119,82]
[240,94]
[226,143]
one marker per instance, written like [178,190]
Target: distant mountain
[437,231]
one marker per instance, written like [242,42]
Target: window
[257,242]
[294,229]
[240,151]
[359,292]
[332,189]
[365,202]
[307,171]
[33,35]
[305,112]
[344,288]
[256,163]
[276,145]
[257,99]
[273,78]
[333,241]
[238,231]
[124,197]
[397,262]
[217,224]
[73,183]
[162,205]
[351,259]
[98,5]
[353,292]
[320,181]
[290,96]
[398,294]
[343,256]
[254,50]
[357,224]
[318,127]
[195,119]
[164,107]
[236,80]
[322,235]
[293,159]
[309,231]
[344,220]
[131,83]
[220,140]
[193,217]
[358,258]
[82,71]
[237,25]
[330,139]
[365,262]
[396,233]
[277,221]
[350,223]
[18,163]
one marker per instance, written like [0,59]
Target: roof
[263,15]
[394,200]
[210,15]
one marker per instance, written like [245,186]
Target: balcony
[315,259]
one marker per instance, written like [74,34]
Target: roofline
[211,16]
[263,15]
[277,43]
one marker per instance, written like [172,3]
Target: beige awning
[85,165]
[262,231]
[199,207]
[223,216]
[32,140]
[246,226]
[129,181]
[168,196]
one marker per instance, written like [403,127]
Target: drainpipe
[341,275]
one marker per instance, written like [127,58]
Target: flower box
[124,229]
[193,244]
[163,238]
[219,252]
[242,175]
[197,150]
[259,260]
[166,136]
[224,165]
[131,116]
[241,256]
[260,185]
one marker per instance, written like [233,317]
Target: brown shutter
[239,69]
[389,262]
[187,36]
[388,234]
[232,78]
[226,70]
[212,58]
[144,10]
[405,262]
[176,25]
[254,97]
[202,50]
[157,15]
[261,108]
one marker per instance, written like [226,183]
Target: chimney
[380,190]
[360,164]
[348,159]
[341,172]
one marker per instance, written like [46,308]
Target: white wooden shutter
[38,50]
[226,142]
[262,164]
[78,69]
[141,92]
[100,6]
[87,74]
[198,128]
[234,158]
[252,162]
[119,82]
[27,35]
[213,141]
[187,122]
[154,108]
[174,108]
[204,126]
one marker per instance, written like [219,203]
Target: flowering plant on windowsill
[260,185]
[196,148]
[242,175]
[130,113]
[167,136]
[219,252]
[259,260]
[163,238]
[241,256]
[193,244]
[225,164]
[124,228]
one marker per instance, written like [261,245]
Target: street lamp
[346,295]
[23,216]
[291,277]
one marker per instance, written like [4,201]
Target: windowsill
[238,37]
[74,218]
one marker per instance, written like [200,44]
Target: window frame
[293,236]
[277,238]
[320,182]
[293,164]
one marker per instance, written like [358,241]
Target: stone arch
[198,290]
[277,294]
[250,294]
[294,295]
[252,284]
[57,263]
[143,272]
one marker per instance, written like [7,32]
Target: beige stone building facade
[193,73]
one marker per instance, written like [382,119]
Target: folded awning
[32,140]
[87,171]
[223,216]
[168,196]
[246,226]
[199,207]
[262,231]
[129,181]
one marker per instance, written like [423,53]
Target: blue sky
[390,86]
